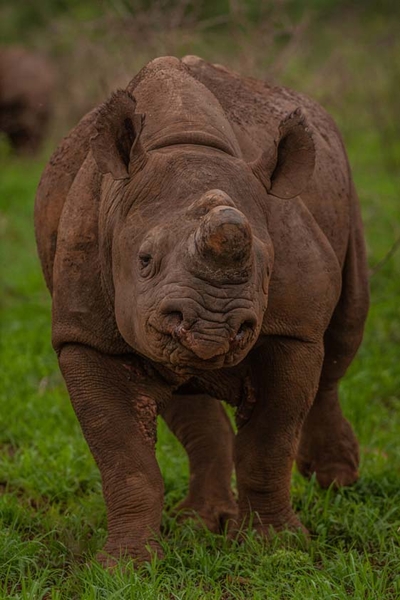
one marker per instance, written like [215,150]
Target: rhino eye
[145,260]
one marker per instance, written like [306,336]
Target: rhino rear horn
[286,168]
[116,146]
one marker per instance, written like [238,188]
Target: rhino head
[186,253]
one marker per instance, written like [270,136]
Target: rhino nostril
[174,317]
[172,321]
[245,328]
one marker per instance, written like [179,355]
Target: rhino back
[179,109]
[256,108]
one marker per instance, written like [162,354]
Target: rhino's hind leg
[328,446]
[203,428]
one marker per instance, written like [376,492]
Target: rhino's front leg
[116,404]
[285,375]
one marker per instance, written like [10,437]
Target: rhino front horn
[224,237]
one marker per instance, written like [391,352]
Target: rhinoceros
[27,81]
[201,237]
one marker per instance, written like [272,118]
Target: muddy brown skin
[26,88]
[201,237]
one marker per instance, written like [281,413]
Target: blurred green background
[345,53]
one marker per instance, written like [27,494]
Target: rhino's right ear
[286,168]
[116,146]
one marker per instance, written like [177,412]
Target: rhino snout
[208,339]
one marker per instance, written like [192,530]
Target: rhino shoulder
[306,277]
[56,181]
[82,311]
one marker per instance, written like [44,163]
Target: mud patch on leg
[146,412]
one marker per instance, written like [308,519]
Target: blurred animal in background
[26,88]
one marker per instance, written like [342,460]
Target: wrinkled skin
[26,88]
[201,238]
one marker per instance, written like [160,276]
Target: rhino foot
[216,515]
[268,527]
[333,458]
[114,553]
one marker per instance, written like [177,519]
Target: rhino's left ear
[116,146]
[286,168]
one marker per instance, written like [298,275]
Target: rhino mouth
[199,354]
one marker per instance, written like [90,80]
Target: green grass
[51,509]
